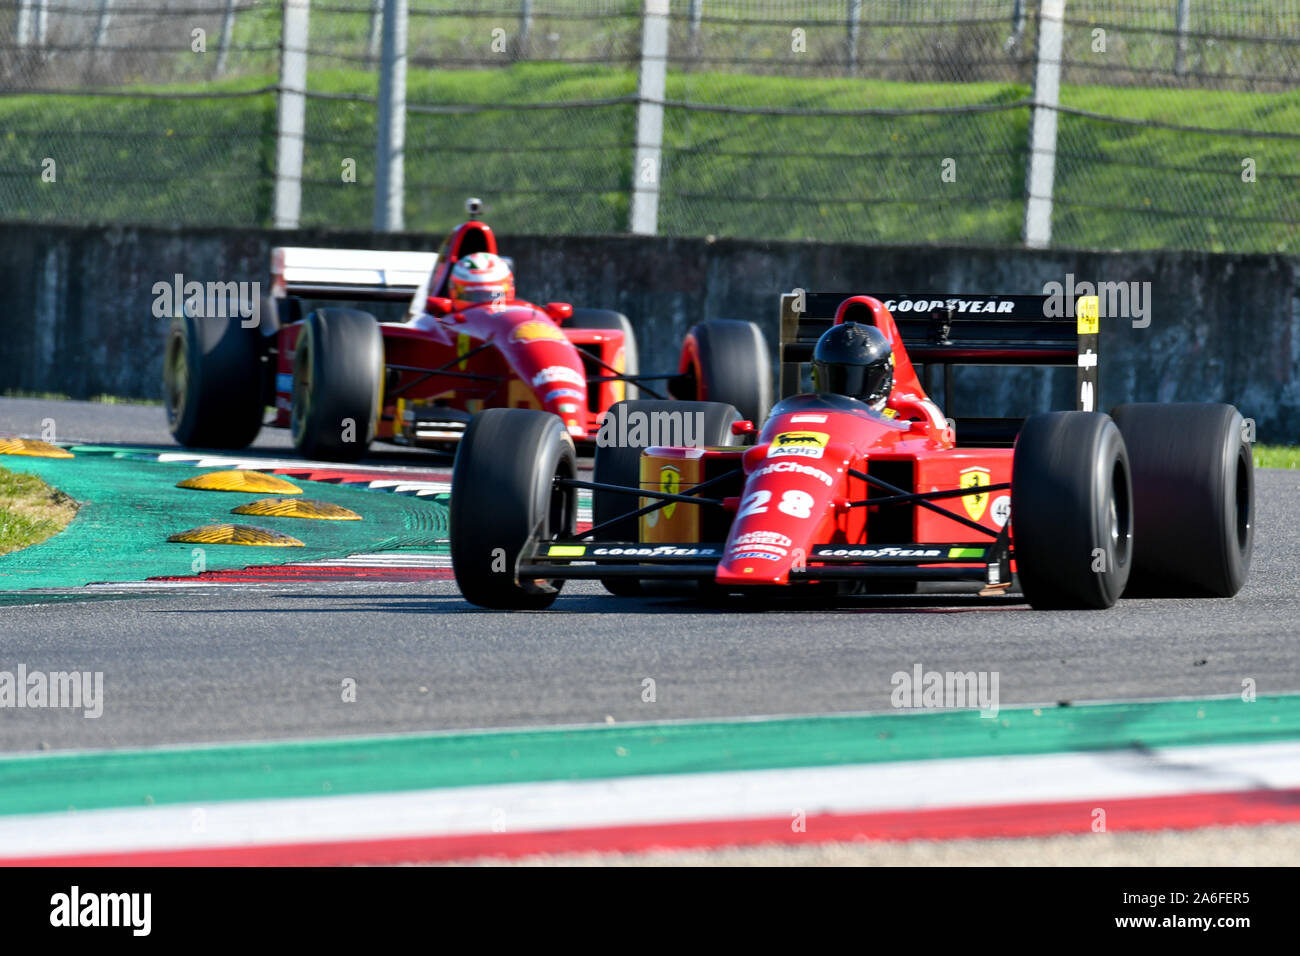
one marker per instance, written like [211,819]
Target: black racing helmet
[855,360]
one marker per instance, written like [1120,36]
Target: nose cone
[787,499]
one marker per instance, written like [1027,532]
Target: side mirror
[437,305]
[559,311]
[742,428]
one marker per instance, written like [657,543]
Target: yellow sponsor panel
[236,534]
[519,395]
[297,508]
[976,503]
[536,330]
[566,551]
[32,448]
[243,481]
[675,476]
[1088,311]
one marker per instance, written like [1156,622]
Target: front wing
[961,561]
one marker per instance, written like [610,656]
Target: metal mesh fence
[858,120]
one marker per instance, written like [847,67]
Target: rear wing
[352,274]
[943,330]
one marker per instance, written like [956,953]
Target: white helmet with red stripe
[482,277]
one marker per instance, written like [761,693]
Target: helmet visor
[867,383]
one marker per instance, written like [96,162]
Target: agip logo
[978,502]
[805,444]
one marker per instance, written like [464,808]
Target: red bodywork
[533,361]
[797,482]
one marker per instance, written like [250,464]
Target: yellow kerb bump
[32,448]
[297,508]
[246,481]
[236,534]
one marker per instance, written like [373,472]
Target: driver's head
[854,360]
[481,277]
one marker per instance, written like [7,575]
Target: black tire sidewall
[731,365]
[1185,473]
[223,383]
[346,351]
[1062,486]
[500,492]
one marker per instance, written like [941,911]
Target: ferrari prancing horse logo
[670,480]
[976,503]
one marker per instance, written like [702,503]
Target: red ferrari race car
[863,486]
[339,378]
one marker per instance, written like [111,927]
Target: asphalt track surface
[269,661]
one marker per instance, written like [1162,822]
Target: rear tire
[602,319]
[1071,511]
[728,362]
[212,382]
[1193,499]
[338,370]
[502,498]
[621,465]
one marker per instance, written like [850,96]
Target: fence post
[1018,22]
[291,123]
[696,14]
[227,32]
[1180,49]
[390,144]
[101,22]
[855,25]
[644,220]
[525,27]
[23,23]
[1042,126]
[376,24]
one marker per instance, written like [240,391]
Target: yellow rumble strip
[297,508]
[32,448]
[236,534]
[246,481]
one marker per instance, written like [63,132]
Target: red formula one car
[832,495]
[339,378]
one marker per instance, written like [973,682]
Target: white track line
[660,799]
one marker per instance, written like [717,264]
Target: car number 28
[796,504]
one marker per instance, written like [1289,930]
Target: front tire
[1071,511]
[338,369]
[728,361]
[503,498]
[1193,499]
[212,382]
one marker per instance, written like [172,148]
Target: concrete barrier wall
[77,305]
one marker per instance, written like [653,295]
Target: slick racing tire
[601,319]
[621,465]
[212,381]
[726,360]
[338,368]
[1193,499]
[503,498]
[1071,510]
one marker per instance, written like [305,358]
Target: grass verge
[1277,456]
[30,511]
